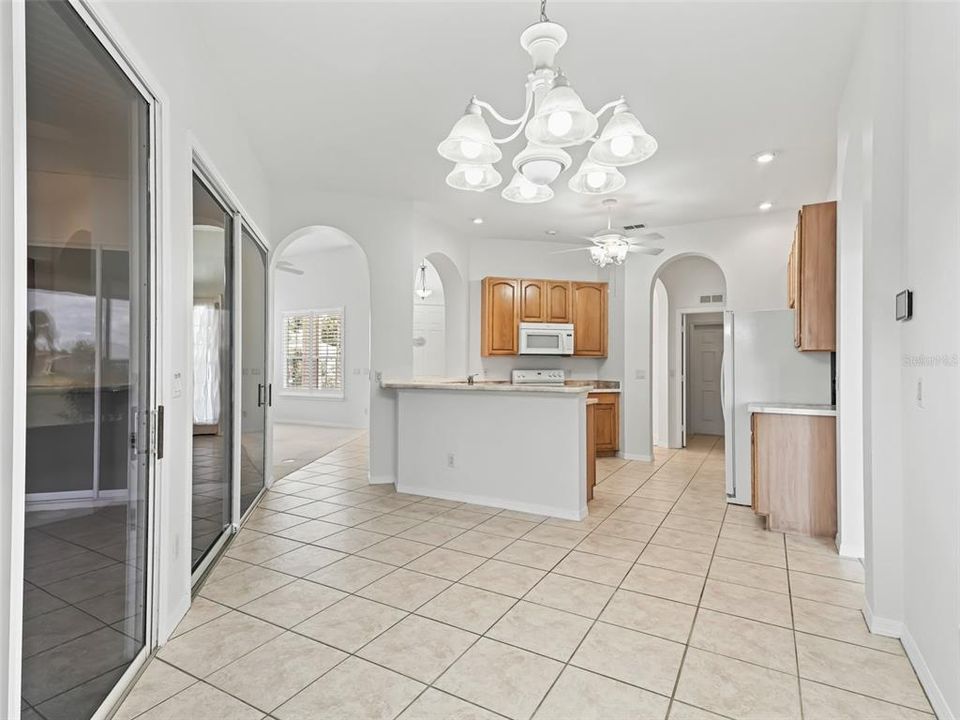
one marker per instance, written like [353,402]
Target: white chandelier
[554,118]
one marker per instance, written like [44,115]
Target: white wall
[751,252]
[685,280]
[195,115]
[899,186]
[332,278]
[527,259]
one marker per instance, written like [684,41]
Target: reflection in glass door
[88,368]
[212,373]
[255,389]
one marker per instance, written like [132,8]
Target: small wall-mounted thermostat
[905,305]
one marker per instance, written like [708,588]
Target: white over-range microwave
[546,339]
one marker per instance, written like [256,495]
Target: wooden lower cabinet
[794,478]
[607,422]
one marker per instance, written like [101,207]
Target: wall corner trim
[382,480]
[636,456]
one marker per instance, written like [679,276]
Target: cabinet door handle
[259,395]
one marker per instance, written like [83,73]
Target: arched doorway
[320,370]
[687,296]
[440,320]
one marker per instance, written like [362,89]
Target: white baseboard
[881,625]
[850,549]
[491,501]
[382,480]
[934,694]
[316,423]
[636,456]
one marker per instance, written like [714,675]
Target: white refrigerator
[761,364]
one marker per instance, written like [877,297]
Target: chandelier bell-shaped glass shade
[521,190]
[466,176]
[561,119]
[623,140]
[595,179]
[470,141]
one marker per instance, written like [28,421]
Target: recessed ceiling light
[764,206]
[765,157]
[550,232]
[477,221]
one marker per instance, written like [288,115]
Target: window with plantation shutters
[313,352]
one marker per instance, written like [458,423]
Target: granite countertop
[484,386]
[791,409]
[596,386]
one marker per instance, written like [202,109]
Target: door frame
[206,171]
[15,319]
[678,422]
[688,335]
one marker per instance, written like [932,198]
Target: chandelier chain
[543,11]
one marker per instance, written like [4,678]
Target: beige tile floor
[342,600]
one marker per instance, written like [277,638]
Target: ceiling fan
[612,246]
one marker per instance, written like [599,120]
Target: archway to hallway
[687,296]
[320,369]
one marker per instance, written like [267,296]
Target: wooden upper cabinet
[500,316]
[558,301]
[814,267]
[589,304]
[533,301]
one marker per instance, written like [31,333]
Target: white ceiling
[355,97]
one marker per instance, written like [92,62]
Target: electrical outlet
[177,385]
[451,460]
[920,393]
[641,375]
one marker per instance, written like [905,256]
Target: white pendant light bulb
[622,145]
[473,175]
[470,140]
[595,179]
[623,140]
[559,123]
[471,149]
[521,190]
[466,176]
[561,120]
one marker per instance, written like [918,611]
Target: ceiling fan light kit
[554,118]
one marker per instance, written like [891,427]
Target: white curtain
[206,363]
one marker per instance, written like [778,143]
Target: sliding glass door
[212,373]
[255,390]
[85,599]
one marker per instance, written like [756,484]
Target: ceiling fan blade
[645,250]
[564,252]
[648,237]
